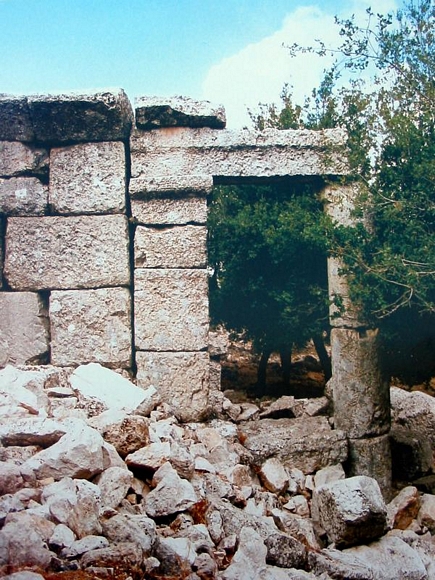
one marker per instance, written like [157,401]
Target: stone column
[360,393]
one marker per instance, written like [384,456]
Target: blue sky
[227,51]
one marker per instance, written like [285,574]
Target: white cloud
[259,71]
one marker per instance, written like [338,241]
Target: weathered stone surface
[172,211]
[403,508]
[129,554]
[181,380]
[171,494]
[88,178]
[84,545]
[22,544]
[351,511]
[64,118]
[167,184]
[23,328]
[79,453]
[151,456]
[111,388]
[22,196]
[114,483]
[10,478]
[17,158]
[243,153]
[21,393]
[24,575]
[32,431]
[127,435]
[412,454]
[171,298]
[62,537]
[285,551]
[15,122]
[426,515]
[372,457]
[75,503]
[415,411]
[360,393]
[158,112]
[170,247]
[329,474]
[307,443]
[91,326]
[66,253]
[273,475]
[131,528]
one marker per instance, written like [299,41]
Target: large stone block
[23,196]
[15,122]
[181,379]
[65,118]
[88,178]
[372,457]
[307,443]
[157,112]
[91,326]
[23,328]
[360,392]
[67,252]
[171,309]
[171,211]
[2,245]
[223,153]
[146,184]
[17,158]
[171,247]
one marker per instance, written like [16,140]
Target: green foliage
[268,251]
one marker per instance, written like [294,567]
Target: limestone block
[125,527]
[171,309]
[403,508]
[64,118]
[67,252]
[15,122]
[372,457]
[181,378]
[242,153]
[167,183]
[307,443]
[415,412]
[17,158]
[351,511]
[23,328]
[23,196]
[157,112]
[274,475]
[171,211]
[172,494]
[360,393]
[2,245]
[91,326]
[412,454]
[88,178]
[170,247]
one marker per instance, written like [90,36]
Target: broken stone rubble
[201,509]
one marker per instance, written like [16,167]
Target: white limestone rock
[426,515]
[415,411]
[88,178]
[351,511]
[329,474]
[171,494]
[138,529]
[274,475]
[151,457]
[404,508]
[10,478]
[116,392]
[32,431]
[170,211]
[114,484]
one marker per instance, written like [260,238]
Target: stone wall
[103,236]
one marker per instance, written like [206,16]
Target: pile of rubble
[98,478]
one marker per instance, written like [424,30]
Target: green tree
[267,248]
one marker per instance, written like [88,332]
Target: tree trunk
[324,358]
[285,354]
[261,371]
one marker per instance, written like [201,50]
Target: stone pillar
[361,395]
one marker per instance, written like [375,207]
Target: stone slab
[170,211]
[15,122]
[146,184]
[181,379]
[88,178]
[372,457]
[91,326]
[171,309]
[57,253]
[158,112]
[360,393]
[105,115]
[22,196]
[23,328]
[244,153]
[306,443]
[171,247]
[17,158]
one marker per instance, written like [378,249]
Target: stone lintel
[54,252]
[158,112]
